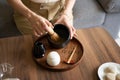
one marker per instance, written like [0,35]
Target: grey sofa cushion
[110,5]
[87,13]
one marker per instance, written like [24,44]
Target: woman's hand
[40,24]
[67,20]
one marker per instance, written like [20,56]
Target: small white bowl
[101,69]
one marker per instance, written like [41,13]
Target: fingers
[49,24]
[37,30]
[72,32]
[71,29]
[41,28]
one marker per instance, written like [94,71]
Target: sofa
[87,13]
[7,25]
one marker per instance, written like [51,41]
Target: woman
[37,16]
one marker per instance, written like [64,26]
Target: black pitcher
[38,50]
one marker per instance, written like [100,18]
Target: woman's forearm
[21,8]
[69,4]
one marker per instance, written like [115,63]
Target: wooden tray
[64,55]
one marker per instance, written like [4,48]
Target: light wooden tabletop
[99,47]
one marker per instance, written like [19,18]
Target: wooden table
[99,47]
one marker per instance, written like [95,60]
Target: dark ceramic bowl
[63,33]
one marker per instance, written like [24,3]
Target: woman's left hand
[68,22]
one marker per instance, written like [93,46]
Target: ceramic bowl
[63,33]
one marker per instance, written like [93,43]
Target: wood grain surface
[99,47]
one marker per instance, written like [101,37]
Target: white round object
[53,58]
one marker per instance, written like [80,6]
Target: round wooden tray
[64,55]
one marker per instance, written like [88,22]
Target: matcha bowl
[64,35]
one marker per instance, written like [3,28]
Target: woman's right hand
[40,24]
